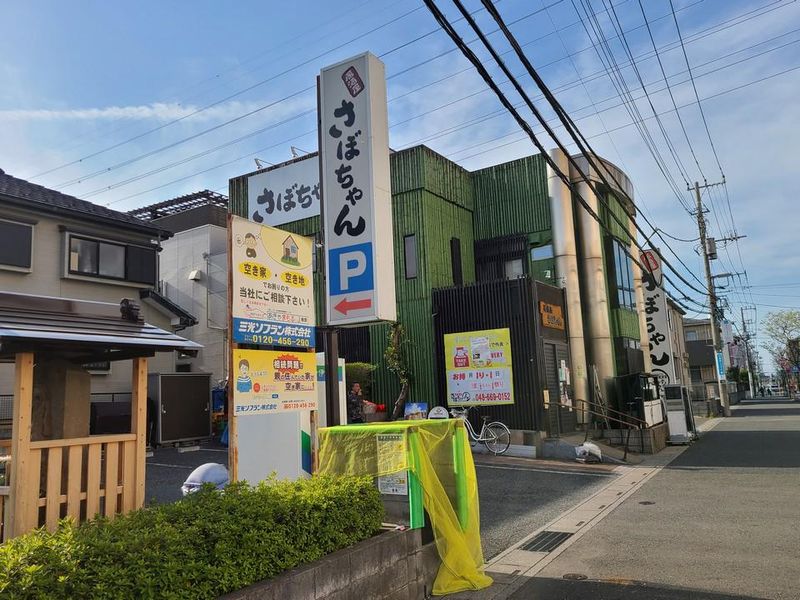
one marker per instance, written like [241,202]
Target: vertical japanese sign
[272,286]
[274,382]
[285,193]
[356,199]
[655,310]
[478,367]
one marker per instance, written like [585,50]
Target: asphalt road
[518,500]
[720,521]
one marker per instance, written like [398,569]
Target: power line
[587,151]
[566,86]
[230,97]
[669,89]
[522,122]
[618,81]
[694,87]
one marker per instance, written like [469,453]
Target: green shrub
[203,546]
[359,372]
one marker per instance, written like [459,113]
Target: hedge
[203,546]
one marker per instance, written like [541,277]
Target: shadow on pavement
[567,589]
[774,449]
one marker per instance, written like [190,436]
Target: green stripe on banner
[305,443]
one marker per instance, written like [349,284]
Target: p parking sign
[356,192]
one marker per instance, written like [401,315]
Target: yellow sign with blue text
[478,367]
[269,382]
[273,286]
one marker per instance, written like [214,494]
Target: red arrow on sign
[344,306]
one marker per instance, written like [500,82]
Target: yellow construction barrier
[438,458]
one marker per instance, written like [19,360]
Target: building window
[410,255]
[514,268]
[542,252]
[623,276]
[91,257]
[691,335]
[16,245]
[109,260]
[455,261]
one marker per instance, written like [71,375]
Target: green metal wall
[512,198]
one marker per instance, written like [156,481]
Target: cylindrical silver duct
[566,262]
[639,292]
[595,295]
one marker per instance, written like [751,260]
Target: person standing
[355,405]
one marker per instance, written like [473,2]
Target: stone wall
[391,566]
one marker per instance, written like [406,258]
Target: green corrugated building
[453,227]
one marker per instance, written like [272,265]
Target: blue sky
[78,78]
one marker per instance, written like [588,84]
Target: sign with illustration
[357,197]
[478,367]
[273,288]
[655,310]
[269,382]
[284,193]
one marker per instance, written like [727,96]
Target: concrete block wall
[391,566]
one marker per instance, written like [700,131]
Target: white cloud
[157,111]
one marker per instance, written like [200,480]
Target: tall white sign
[357,198]
[285,193]
[655,310]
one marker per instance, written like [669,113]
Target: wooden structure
[53,467]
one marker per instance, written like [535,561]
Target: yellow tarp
[438,454]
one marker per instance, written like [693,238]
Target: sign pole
[233,437]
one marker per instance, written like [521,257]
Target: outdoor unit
[679,414]
[182,406]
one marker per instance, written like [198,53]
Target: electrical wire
[522,122]
[694,87]
[588,152]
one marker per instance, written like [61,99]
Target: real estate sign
[356,198]
[270,381]
[272,286]
[655,310]
[478,367]
[284,193]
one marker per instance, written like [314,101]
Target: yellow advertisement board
[273,286]
[478,367]
[269,382]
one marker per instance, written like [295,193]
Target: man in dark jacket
[355,405]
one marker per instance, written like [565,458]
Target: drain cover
[575,576]
[646,502]
[546,541]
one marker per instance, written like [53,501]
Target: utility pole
[747,355]
[716,336]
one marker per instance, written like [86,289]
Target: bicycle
[495,435]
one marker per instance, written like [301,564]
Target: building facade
[193,272]
[455,228]
[52,244]
[680,356]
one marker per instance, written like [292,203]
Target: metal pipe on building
[594,290]
[639,293]
[566,263]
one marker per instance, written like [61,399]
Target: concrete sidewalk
[718,521]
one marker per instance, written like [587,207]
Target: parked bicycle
[495,435]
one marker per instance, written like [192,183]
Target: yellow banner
[273,382]
[478,367]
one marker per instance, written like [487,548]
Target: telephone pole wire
[716,336]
